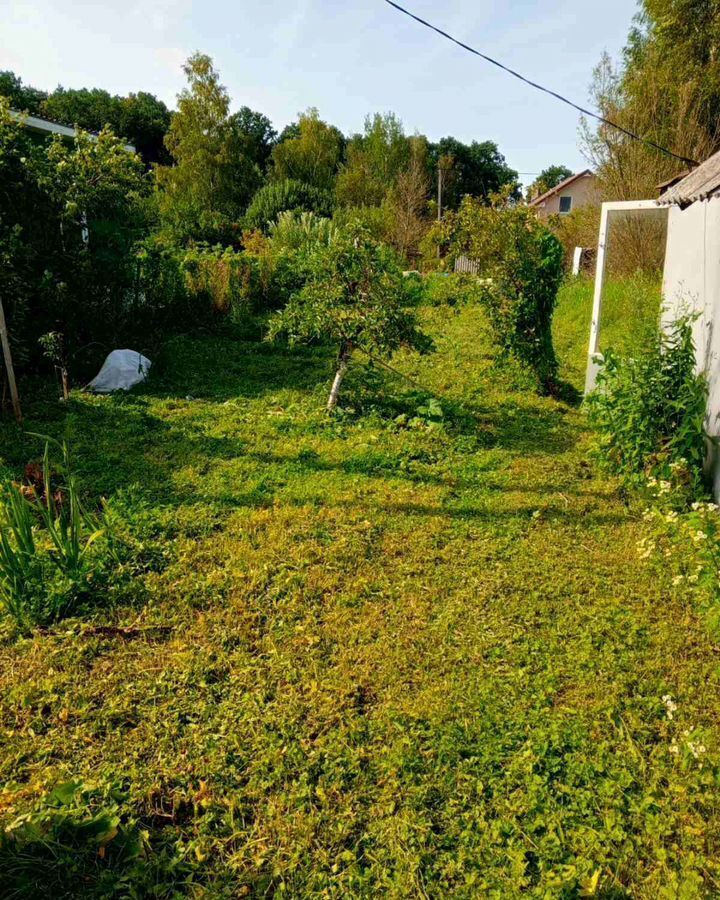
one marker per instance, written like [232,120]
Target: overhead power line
[539,87]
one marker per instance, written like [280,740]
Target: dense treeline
[217,213]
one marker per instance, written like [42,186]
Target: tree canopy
[208,188]
[312,156]
[666,88]
[549,178]
[477,169]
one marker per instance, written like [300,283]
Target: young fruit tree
[355,295]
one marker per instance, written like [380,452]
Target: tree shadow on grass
[517,426]
[119,440]
[218,368]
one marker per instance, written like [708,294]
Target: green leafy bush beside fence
[521,263]
[649,411]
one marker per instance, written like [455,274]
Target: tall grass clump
[51,561]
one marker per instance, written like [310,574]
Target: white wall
[692,284]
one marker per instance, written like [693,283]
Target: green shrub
[649,411]
[521,262]
[295,230]
[281,196]
[224,279]
[377,220]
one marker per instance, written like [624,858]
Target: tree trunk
[343,363]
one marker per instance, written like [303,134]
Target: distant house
[45,127]
[572,193]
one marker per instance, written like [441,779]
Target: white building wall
[692,284]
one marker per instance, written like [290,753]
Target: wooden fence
[466,266]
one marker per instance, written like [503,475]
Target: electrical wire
[539,87]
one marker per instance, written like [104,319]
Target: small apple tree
[355,295]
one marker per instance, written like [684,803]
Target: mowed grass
[372,656]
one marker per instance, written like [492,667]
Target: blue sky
[346,58]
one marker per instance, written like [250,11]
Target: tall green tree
[312,156]
[478,169]
[140,118]
[255,131]
[549,178]
[20,96]
[374,161]
[206,192]
[666,87]
[356,296]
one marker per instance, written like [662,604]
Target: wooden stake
[7,355]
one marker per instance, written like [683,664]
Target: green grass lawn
[379,655]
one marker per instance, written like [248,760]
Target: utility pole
[440,191]
[7,355]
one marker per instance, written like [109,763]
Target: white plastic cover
[121,370]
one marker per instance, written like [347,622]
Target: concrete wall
[583,191]
[692,284]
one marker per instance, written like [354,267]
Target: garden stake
[9,366]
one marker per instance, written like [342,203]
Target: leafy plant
[53,348]
[355,295]
[75,841]
[649,410]
[47,560]
[296,230]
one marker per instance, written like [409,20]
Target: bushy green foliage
[374,161]
[20,96]
[521,264]
[302,231]
[140,118]
[223,278]
[310,154]
[283,196]
[477,169]
[649,409]
[69,227]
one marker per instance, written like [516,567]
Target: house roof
[559,187]
[47,126]
[700,184]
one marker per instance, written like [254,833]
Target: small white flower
[670,706]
